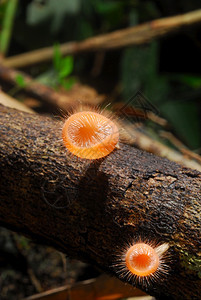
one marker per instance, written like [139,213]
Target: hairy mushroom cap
[90,135]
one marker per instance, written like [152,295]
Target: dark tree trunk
[91,210]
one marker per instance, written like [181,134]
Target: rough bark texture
[92,210]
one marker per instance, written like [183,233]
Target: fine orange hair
[90,135]
[143,263]
[142,259]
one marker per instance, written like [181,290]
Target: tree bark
[92,210]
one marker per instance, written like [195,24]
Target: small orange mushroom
[90,135]
[142,259]
[143,263]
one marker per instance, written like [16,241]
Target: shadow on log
[92,210]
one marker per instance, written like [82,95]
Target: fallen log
[93,210]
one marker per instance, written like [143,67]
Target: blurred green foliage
[7,15]
[64,66]
[20,81]
[184,116]
[58,74]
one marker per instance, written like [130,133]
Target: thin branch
[6,100]
[103,287]
[144,142]
[47,94]
[183,149]
[136,35]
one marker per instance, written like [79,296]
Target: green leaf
[66,67]
[111,12]
[68,83]
[20,81]
[192,81]
[49,78]
[107,7]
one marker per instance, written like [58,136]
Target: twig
[136,35]
[7,25]
[103,287]
[156,119]
[144,142]
[183,149]
[12,102]
[47,94]
[34,280]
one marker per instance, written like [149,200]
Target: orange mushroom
[90,135]
[142,259]
[142,263]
